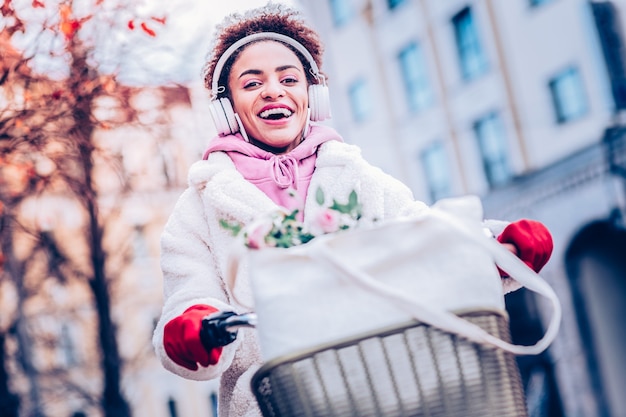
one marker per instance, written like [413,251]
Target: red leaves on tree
[66,12]
[69,28]
[57,94]
[16,176]
[6,9]
[147,29]
[144,26]
[108,83]
[69,25]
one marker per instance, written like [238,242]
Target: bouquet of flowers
[281,229]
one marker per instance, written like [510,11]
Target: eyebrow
[278,69]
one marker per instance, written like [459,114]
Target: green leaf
[291,216]
[319,196]
[353,199]
[341,208]
[235,228]
[306,237]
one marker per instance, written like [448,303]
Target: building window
[171,406]
[342,11]
[437,172]
[471,56]
[415,75]
[213,404]
[535,3]
[66,346]
[392,4]
[140,244]
[360,100]
[568,95]
[492,143]
[607,17]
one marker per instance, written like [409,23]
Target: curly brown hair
[276,18]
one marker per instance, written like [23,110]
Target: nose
[272,89]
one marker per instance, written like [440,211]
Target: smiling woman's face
[269,92]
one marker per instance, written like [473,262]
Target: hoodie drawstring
[285,171]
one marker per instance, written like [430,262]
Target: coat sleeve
[190,277]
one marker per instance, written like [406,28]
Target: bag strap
[446,320]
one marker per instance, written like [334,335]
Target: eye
[290,80]
[251,84]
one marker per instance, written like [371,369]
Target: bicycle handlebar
[220,329]
[237,321]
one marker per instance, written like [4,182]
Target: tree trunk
[113,402]
[24,357]
[9,402]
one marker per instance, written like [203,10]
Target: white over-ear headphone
[227,122]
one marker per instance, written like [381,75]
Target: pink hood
[278,176]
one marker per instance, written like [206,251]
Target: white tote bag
[362,280]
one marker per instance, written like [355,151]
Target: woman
[268,156]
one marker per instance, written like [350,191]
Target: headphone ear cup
[223,116]
[319,102]
[219,119]
[229,114]
[314,104]
[324,109]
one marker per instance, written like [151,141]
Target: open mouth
[276,113]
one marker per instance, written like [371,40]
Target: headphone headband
[217,72]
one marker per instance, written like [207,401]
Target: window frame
[538,3]
[415,77]
[359,93]
[470,50]
[435,190]
[341,12]
[556,85]
[483,128]
[394,4]
[172,407]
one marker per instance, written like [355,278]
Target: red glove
[532,240]
[181,338]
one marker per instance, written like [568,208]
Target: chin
[272,143]
[281,141]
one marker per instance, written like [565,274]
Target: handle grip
[220,329]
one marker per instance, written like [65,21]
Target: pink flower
[328,220]
[255,239]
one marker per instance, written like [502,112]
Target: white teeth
[277,110]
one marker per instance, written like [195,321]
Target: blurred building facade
[522,103]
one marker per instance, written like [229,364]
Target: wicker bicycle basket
[409,370]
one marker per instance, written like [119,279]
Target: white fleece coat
[195,250]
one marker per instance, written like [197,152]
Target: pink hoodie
[278,176]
